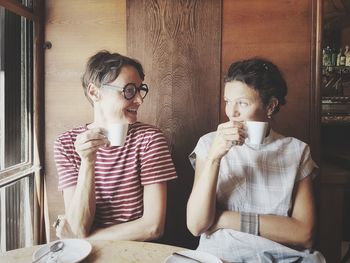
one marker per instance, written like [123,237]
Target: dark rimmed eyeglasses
[129,90]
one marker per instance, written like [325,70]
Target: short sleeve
[156,163]
[201,149]
[66,162]
[307,165]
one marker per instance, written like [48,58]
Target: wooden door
[178,42]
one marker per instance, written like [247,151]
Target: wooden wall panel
[178,42]
[282,32]
[77,29]
[345,37]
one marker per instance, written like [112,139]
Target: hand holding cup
[87,143]
[228,134]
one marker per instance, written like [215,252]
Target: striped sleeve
[66,162]
[156,163]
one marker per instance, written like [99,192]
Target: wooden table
[105,251]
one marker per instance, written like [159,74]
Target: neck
[99,118]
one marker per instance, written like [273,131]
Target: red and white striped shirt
[120,172]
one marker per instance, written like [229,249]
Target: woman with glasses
[113,192]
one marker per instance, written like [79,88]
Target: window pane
[17,214]
[16,51]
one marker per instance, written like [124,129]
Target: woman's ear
[93,92]
[273,103]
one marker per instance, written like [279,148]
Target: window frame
[35,155]
[32,166]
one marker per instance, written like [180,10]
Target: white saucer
[74,250]
[201,256]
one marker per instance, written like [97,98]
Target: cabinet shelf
[326,70]
[335,120]
[335,81]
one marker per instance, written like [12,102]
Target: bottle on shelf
[338,57]
[324,57]
[333,57]
[327,56]
[343,58]
[347,56]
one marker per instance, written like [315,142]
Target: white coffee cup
[256,131]
[116,133]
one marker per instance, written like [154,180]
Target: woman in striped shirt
[113,192]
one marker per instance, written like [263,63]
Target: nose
[233,110]
[236,112]
[138,99]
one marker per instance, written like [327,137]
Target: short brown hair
[104,67]
[261,75]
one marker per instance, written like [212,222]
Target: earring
[97,97]
[269,116]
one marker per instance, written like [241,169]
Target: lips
[131,110]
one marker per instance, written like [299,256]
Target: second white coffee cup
[256,131]
[116,133]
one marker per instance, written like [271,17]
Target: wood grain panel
[281,32]
[77,30]
[178,42]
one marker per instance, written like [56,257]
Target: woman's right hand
[88,142]
[228,134]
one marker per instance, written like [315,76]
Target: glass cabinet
[334,234]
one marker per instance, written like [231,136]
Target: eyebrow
[239,98]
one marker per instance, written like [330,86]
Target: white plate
[195,254]
[74,250]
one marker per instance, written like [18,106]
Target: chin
[131,120]
[129,117]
